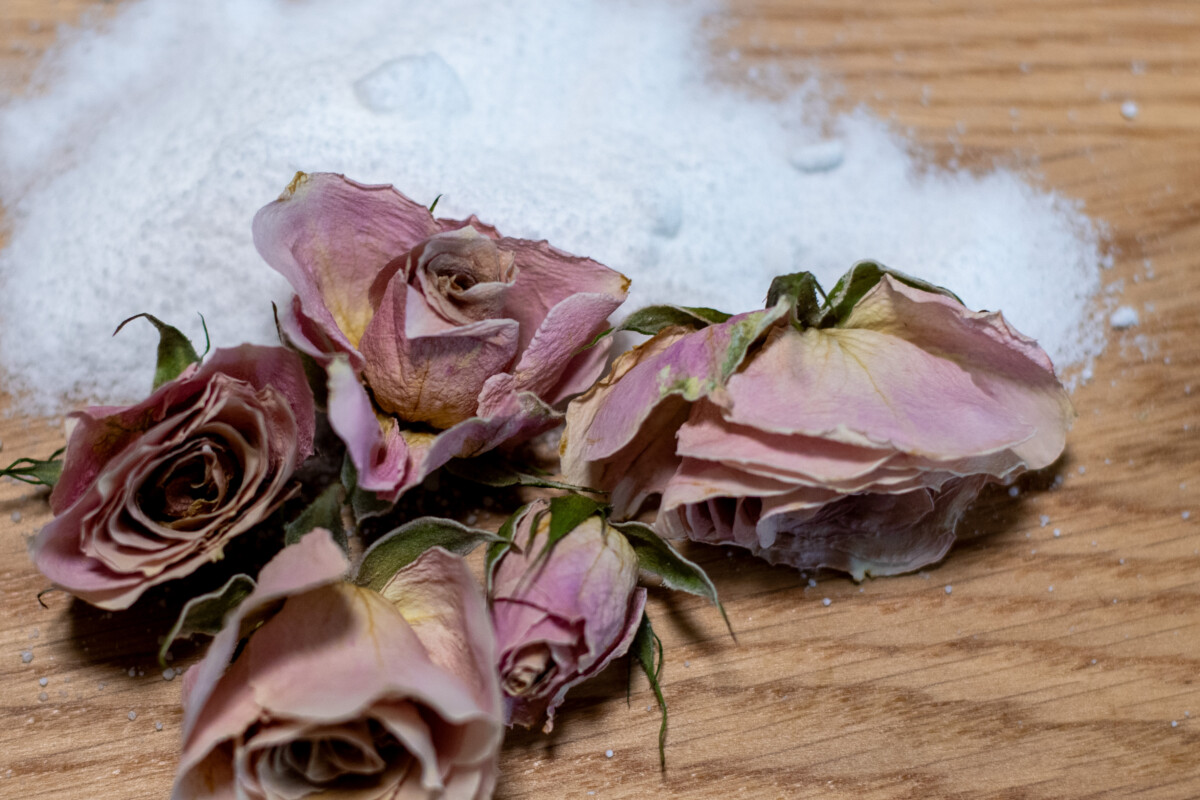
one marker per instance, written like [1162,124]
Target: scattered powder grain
[1124,317]
[130,171]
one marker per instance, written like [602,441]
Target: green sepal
[652,319]
[404,545]
[659,558]
[175,351]
[566,514]
[859,280]
[323,512]
[362,503]
[647,651]
[496,550]
[205,614]
[433,205]
[38,473]
[801,290]
[491,470]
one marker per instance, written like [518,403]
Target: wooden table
[1059,666]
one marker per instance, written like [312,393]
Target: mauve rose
[561,618]
[855,444]
[450,325]
[152,492]
[343,691]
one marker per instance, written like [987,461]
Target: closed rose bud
[851,435]
[560,616]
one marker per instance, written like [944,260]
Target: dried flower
[152,492]
[450,325]
[851,434]
[565,603]
[344,691]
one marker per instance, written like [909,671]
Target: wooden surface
[1059,666]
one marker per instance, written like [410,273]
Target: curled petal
[1008,366]
[376,448]
[872,390]
[547,277]
[433,378]
[329,236]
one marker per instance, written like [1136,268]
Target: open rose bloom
[154,491]
[344,692]
[441,338]
[561,617]
[854,444]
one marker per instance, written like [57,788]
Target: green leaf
[175,352]
[433,205]
[859,280]
[402,546]
[497,549]
[206,613]
[652,319]
[657,557]
[491,470]
[323,512]
[566,514]
[647,651]
[38,473]
[801,290]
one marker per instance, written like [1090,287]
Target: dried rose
[152,492]
[562,609]
[450,325]
[851,434]
[344,691]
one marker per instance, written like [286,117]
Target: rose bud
[560,615]
[430,323]
[851,435]
[344,691]
[154,491]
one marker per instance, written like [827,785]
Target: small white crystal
[1124,317]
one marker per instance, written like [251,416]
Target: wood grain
[1058,666]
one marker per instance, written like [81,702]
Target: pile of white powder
[131,171]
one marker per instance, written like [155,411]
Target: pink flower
[854,441]
[450,325]
[152,492]
[561,617]
[343,691]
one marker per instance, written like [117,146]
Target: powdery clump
[130,174]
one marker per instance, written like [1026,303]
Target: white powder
[130,172]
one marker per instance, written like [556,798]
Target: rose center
[195,482]
[532,665]
[347,756]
